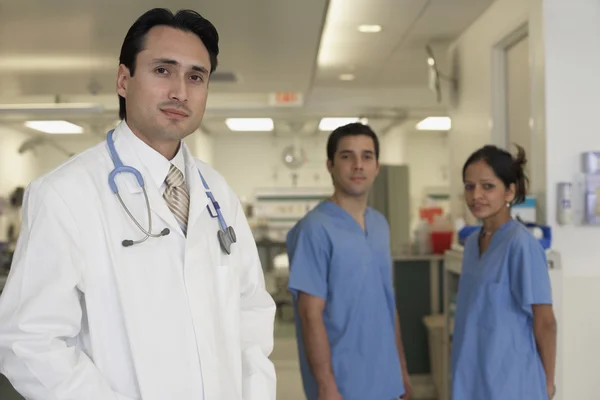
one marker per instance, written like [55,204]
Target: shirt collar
[156,164]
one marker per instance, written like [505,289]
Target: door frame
[500,83]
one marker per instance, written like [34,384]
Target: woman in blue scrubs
[504,340]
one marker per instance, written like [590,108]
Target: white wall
[571,31]
[15,169]
[20,169]
[201,145]
[392,146]
[48,157]
[427,156]
[564,60]
[471,107]
[518,96]
[249,161]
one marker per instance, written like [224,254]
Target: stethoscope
[225,234]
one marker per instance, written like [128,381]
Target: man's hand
[330,393]
[405,377]
[551,388]
[407,386]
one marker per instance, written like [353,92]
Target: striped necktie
[177,197]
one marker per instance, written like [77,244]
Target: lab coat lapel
[198,198]
[136,202]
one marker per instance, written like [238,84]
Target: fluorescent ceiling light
[347,77]
[369,28]
[435,124]
[329,124]
[250,124]
[50,108]
[22,63]
[54,127]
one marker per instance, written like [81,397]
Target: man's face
[166,96]
[354,166]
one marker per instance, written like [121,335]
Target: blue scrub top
[494,353]
[331,257]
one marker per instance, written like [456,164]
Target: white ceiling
[69,50]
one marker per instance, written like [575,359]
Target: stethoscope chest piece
[226,239]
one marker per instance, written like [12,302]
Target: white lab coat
[83,317]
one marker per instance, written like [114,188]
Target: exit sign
[285,99]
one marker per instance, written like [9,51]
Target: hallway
[285,358]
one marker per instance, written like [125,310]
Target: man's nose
[179,90]
[358,163]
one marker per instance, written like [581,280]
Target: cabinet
[390,195]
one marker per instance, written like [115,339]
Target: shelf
[417,257]
[453,261]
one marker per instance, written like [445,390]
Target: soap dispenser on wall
[564,203]
[591,187]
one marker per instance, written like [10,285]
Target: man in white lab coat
[90,311]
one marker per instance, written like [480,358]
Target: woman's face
[485,194]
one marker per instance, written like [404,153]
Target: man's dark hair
[352,129]
[185,20]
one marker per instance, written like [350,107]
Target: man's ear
[123,76]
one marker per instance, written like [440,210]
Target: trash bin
[435,333]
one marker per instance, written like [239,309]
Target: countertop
[453,260]
[417,257]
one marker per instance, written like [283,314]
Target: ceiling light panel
[435,124]
[369,28]
[55,127]
[250,124]
[347,77]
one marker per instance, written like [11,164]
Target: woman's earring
[508,205]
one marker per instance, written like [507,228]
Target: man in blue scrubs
[340,275]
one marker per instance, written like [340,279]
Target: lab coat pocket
[259,379]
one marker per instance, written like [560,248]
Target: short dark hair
[352,129]
[507,168]
[185,20]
